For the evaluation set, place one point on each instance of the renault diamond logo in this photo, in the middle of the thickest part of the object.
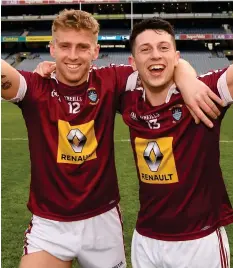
(77, 140)
(153, 156)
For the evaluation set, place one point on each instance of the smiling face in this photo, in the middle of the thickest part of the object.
(73, 50)
(155, 58)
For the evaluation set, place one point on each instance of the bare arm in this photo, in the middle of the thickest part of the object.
(184, 68)
(199, 98)
(10, 80)
(230, 79)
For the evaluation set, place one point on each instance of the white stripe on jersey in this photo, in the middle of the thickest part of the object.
(21, 91)
(224, 90)
(132, 82)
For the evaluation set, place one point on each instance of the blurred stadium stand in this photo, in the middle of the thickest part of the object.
(28, 65)
(202, 30)
(39, 33)
(11, 33)
(118, 31)
(114, 31)
(197, 19)
(202, 61)
(4, 55)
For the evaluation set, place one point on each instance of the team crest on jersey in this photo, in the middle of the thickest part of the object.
(176, 112)
(92, 95)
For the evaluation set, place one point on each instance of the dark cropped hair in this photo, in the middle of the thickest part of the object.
(150, 24)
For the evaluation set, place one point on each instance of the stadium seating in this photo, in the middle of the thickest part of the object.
(114, 31)
(202, 61)
(11, 33)
(4, 55)
(28, 65)
(118, 31)
(39, 33)
(8, 58)
(10, 61)
(177, 31)
(200, 31)
(46, 56)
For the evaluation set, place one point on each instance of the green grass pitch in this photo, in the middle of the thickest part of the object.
(16, 177)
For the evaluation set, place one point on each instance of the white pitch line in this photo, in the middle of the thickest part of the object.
(14, 139)
(122, 140)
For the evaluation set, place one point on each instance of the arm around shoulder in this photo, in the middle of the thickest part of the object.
(229, 77)
(10, 81)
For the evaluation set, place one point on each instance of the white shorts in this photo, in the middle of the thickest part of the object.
(211, 251)
(96, 242)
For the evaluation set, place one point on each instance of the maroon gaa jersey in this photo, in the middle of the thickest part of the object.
(70, 133)
(182, 193)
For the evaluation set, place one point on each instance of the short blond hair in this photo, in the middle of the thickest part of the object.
(75, 19)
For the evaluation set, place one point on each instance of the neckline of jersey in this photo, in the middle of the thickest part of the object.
(66, 88)
(172, 90)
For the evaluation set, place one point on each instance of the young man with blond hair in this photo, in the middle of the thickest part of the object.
(183, 200)
(74, 194)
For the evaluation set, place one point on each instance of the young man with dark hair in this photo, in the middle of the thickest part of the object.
(183, 200)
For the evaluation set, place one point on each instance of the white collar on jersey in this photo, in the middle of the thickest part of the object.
(172, 90)
(53, 76)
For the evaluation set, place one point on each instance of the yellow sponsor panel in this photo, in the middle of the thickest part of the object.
(38, 38)
(155, 160)
(76, 144)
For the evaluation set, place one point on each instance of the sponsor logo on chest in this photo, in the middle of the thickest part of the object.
(76, 144)
(72, 101)
(150, 119)
(54, 94)
(156, 161)
(73, 98)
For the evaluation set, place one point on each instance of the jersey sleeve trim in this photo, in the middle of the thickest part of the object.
(21, 91)
(132, 82)
(223, 89)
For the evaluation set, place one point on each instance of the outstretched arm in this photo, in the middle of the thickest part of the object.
(10, 81)
(199, 98)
